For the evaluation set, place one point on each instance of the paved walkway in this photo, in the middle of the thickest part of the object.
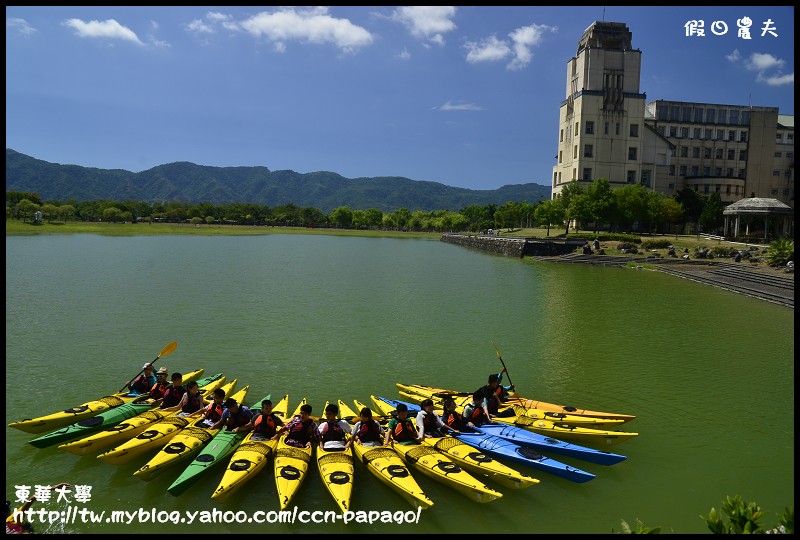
(766, 283)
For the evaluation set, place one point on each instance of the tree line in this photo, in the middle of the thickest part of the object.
(631, 208)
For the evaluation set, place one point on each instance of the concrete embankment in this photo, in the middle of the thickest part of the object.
(514, 247)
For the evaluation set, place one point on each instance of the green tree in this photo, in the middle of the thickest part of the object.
(25, 208)
(374, 218)
(550, 213)
(111, 213)
(210, 220)
(780, 252)
(692, 203)
(601, 202)
(580, 209)
(711, 217)
(196, 221)
(50, 211)
(342, 216)
(569, 191)
(672, 210)
(631, 206)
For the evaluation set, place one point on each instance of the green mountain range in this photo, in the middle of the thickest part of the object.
(188, 182)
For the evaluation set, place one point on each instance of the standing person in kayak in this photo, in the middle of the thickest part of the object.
(401, 429)
(367, 431)
(143, 382)
(301, 431)
(265, 424)
(428, 422)
(234, 416)
(333, 431)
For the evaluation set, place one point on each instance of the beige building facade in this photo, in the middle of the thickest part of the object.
(607, 130)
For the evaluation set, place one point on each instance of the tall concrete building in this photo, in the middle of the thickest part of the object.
(606, 130)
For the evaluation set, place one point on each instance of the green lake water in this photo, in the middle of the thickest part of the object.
(708, 373)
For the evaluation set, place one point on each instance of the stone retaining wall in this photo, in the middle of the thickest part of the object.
(514, 247)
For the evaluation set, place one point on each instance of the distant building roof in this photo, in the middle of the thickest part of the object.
(759, 207)
(786, 120)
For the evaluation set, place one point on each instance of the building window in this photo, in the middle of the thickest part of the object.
(672, 152)
(719, 153)
(561, 137)
(774, 191)
(632, 153)
(742, 155)
(709, 133)
(555, 178)
(646, 178)
(574, 173)
(670, 186)
(789, 155)
(727, 189)
(673, 131)
(589, 127)
(698, 116)
(616, 129)
(687, 114)
(777, 154)
(560, 154)
(587, 150)
(731, 135)
(788, 174)
(631, 177)
(672, 170)
(575, 152)
(682, 170)
(734, 118)
(697, 133)
(743, 136)
(634, 130)
(729, 172)
(685, 132)
(731, 154)
(705, 188)
(605, 128)
(718, 171)
(559, 178)
(717, 188)
(706, 171)
(711, 116)
(790, 138)
(745, 118)
(674, 113)
(696, 152)
(660, 131)
(694, 170)
(723, 116)
(707, 153)
(587, 174)
(720, 134)
(577, 128)
(776, 172)
(741, 173)
(684, 151)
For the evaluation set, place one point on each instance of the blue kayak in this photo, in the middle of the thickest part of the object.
(534, 440)
(502, 448)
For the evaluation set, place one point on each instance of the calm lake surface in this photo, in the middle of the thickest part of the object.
(708, 373)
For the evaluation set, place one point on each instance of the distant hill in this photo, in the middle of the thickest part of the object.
(188, 182)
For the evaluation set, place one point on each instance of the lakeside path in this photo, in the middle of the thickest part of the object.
(765, 283)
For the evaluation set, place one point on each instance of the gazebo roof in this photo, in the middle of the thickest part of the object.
(759, 207)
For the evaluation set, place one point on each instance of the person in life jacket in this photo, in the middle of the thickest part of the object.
(428, 422)
(401, 429)
(333, 432)
(475, 411)
(143, 382)
(234, 416)
(158, 389)
(301, 430)
(214, 410)
(453, 418)
(367, 431)
(265, 425)
(494, 394)
(191, 403)
(174, 393)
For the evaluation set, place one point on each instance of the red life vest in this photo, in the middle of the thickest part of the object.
(193, 403)
(404, 430)
(369, 432)
(333, 432)
(158, 390)
(454, 420)
(214, 412)
(474, 414)
(140, 384)
(266, 425)
(299, 433)
(172, 396)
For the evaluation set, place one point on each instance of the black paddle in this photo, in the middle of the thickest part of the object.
(504, 364)
(168, 349)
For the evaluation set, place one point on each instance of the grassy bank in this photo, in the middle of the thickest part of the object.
(19, 228)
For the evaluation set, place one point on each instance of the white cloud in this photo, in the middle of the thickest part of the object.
(460, 107)
(762, 62)
(109, 29)
(404, 54)
(776, 80)
(522, 41)
(20, 25)
(197, 26)
(734, 56)
(311, 25)
(426, 22)
(490, 49)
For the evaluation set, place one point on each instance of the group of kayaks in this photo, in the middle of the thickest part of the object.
(122, 427)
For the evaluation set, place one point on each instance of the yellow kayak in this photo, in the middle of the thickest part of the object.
(291, 466)
(442, 469)
(249, 459)
(57, 420)
(159, 432)
(126, 429)
(336, 470)
(468, 457)
(387, 466)
(184, 445)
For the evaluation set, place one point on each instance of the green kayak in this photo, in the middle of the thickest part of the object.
(218, 450)
(105, 420)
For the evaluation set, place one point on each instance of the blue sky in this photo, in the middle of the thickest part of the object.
(464, 96)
